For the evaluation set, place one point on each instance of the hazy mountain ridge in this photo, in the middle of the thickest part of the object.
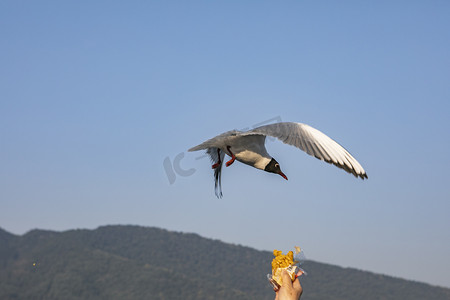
(131, 262)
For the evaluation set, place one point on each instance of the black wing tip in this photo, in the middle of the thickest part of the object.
(363, 176)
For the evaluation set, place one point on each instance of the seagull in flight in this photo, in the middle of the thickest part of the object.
(249, 148)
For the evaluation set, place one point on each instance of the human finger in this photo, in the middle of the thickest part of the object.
(296, 286)
(287, 281)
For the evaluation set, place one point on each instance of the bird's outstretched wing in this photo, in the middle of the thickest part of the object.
(313, 142)
(214, 156)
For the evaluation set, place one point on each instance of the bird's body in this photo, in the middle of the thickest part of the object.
(249, 148)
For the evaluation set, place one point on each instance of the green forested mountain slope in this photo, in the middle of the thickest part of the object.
(131, 262)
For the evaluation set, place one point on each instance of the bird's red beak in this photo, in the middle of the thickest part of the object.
(282, 175)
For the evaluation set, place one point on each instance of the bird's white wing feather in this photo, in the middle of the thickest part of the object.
(313, 142)
(215, 142)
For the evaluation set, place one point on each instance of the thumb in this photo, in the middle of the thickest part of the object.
(286, 280)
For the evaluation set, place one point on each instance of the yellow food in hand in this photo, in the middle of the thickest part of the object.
(282, 261)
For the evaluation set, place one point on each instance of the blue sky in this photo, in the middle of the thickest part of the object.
(96, 95)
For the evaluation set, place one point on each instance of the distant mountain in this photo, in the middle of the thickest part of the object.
(131, 262)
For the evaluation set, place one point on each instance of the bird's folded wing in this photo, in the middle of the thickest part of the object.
(313, 142)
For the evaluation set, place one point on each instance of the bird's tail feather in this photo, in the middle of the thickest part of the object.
(215, 154)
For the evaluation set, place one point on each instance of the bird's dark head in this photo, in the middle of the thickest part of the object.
(274, 167)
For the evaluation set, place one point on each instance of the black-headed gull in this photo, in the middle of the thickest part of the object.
(248, 147)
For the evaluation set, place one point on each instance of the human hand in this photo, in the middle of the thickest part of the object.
(289, 290)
